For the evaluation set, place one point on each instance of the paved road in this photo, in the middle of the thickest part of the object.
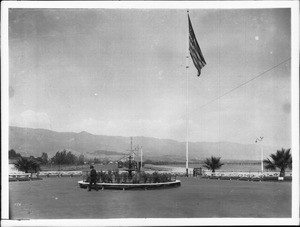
(61, 198)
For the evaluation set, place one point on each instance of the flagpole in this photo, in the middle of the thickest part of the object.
(187, 101)
(141, 157)
(193, 50)
(262, 157)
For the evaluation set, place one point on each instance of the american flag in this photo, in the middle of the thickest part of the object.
(195, 51)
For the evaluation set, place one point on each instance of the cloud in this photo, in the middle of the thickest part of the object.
(31, 119)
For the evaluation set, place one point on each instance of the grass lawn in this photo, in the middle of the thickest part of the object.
(61, 198)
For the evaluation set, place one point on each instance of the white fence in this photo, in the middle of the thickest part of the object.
(60, 173)
(245, 174)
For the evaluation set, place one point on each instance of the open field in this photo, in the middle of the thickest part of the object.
(61, 198)
(85, 167)
(245, 167)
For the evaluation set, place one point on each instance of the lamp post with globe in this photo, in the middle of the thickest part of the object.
(260, 139)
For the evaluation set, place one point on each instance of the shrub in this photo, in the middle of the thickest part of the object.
(144, 177)
(156, 178)
(165, 177)
(109, 177)
(102, 176)
(117, 176)
(124, 177)
(136, 178)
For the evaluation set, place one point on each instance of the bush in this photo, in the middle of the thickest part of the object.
(144, 177)
(136, 178)
(156, 178)
(109, 177)
(102, 176)
(118, 177)
(124, 177)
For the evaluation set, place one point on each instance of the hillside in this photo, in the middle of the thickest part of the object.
(28, 141)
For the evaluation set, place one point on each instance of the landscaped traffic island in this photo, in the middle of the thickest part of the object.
(131, 186)
(128, 180)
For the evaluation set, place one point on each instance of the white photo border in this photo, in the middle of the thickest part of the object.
(293, 5)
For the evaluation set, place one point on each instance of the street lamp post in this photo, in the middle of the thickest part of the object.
(260, 139)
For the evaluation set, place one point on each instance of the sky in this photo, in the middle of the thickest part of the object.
(122, 72)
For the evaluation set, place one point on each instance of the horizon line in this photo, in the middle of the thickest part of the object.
(271, 146)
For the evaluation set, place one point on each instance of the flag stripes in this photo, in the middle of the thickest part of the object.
(195, 51)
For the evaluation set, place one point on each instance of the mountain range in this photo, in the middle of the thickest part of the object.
(29, 141)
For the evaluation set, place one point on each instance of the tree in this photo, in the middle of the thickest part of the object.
(59, 158)
(70, 158)
(27, 164)
(64, 157)
(213, 163)
(13, 154)
(23, 164)
(81, 159)
(281, 160)
(44, 158)
(96, 160)
(35, 165)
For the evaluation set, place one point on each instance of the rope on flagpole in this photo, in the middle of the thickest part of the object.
(235, 88)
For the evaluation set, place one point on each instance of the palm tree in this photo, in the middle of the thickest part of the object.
(281, 160)
(23, 164)
(213, 163)
(27, 164)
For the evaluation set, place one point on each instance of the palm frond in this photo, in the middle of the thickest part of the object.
(268, 164)
(282, 159)
(213, 163)
(26, 164)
